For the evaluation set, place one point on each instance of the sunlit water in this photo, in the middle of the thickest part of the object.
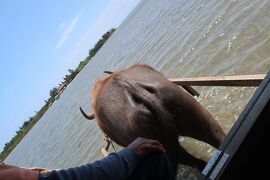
(179, 38)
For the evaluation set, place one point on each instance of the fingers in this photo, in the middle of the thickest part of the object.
(153, 144)
(144, 146)
(153, 147)
(157, 148)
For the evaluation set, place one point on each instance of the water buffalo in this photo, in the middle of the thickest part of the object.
(141, 102)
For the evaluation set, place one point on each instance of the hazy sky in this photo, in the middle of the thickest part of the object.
(40, 41)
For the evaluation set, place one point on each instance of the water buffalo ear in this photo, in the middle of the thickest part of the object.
(108, 72)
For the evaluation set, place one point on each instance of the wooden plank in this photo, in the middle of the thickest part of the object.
(241, 80)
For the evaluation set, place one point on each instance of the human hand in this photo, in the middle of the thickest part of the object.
(144, 147)
(8, 172)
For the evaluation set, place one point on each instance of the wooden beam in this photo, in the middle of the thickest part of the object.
(242, 80)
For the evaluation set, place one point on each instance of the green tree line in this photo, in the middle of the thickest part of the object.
(54, 95)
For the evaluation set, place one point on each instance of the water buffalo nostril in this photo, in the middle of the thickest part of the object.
(150, 90)
(136, 99)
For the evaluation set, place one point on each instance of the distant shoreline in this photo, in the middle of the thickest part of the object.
(54, 95)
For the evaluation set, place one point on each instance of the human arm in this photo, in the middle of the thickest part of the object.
(8, 172)
(116, 166)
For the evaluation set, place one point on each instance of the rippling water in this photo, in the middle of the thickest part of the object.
(179, 38)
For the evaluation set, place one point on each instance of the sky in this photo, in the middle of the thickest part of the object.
(39, 42)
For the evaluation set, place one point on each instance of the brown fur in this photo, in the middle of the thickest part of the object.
(141, 102)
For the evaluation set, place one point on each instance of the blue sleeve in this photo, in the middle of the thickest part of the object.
(115, 166)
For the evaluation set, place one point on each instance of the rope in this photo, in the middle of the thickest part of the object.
(108, 140)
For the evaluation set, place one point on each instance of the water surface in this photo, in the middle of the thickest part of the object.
(179, 38)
